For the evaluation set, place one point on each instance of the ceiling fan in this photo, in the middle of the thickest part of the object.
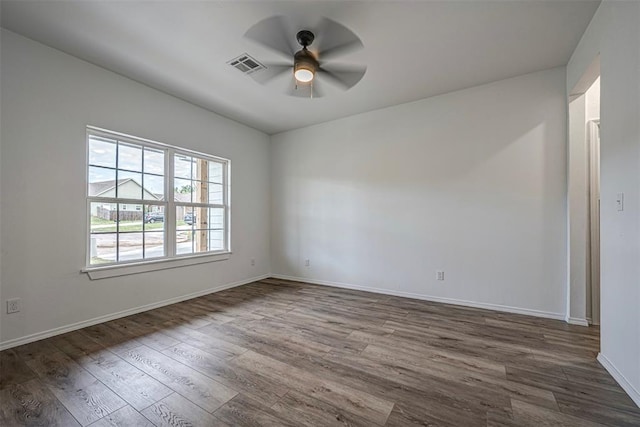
(308, 62)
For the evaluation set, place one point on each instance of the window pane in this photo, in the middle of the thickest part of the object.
(200, 169)
(102, 152)
(200, 241)
(103, 217)
(102, 182)
(216, 240)
(129, 218)
(215, 194)
(153, 244)
(129, 185)
(200, 192)
(201, 220)
(130, 246)
(102, 248)
(129, 157)
(154, 187)
(216, 218)
(182, 166)
(154, 217)
(153, 161)
(185, 217)
(184, 241)
(215, 172)
(182, 189)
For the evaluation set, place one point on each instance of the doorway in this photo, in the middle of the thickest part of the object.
(583, 296)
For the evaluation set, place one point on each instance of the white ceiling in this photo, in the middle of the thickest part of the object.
(412, 49)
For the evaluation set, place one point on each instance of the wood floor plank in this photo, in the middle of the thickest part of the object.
(303, 410)
(359, 403)
(461, 343)
(404, 415)
(176, 411)
(211, 343)
(243, 411)
(456, 394)
(256, 386)
(146, 335)
(415, 351)
(280, 352)
(123, 417)
(469, 377)
(31, 351)
(572, 405)
(586, 392)
(136, 387)
(80, 392)
(76, 345)
(262, 329)
(501, 419)
(32, 404)
(13, 369)
(113, 338)
(527, 415)
(592, 375)
(200, 389)
(260, 343)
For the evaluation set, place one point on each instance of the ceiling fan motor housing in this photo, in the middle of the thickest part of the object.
(305, 60)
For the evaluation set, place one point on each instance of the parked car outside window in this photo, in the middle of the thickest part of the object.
(190, 218)
(154, 216)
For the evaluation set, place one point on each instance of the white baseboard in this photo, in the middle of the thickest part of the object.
(100, 319)
(577, 321)
(621, 379)
(488, 306)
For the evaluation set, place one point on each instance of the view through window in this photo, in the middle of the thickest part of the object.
(147, 200)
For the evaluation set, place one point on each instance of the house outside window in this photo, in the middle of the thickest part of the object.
(151, 201)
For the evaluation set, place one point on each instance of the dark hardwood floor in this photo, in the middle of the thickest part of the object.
(285, 353)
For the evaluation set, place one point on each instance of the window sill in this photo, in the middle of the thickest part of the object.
(107, 271)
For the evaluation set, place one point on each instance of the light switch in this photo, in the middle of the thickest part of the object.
(620, 201)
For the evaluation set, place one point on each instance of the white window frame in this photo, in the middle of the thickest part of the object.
(170, 259)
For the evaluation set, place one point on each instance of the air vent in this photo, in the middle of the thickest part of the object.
(246, 64)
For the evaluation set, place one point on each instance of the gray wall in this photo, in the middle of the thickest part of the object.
(471, 182)
(48, 99)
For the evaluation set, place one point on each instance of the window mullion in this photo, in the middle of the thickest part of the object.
(225, 199)
(124, 201)
(170, 214)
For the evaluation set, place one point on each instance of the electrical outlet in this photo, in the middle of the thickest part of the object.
(439, 275)
(13, 305)
(253, 262)
(307, 263)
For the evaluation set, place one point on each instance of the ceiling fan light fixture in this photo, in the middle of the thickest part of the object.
(303, 75)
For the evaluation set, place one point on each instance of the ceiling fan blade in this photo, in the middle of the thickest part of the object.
(335, 39)
(317, 90)
(345, 77)
(271, 72)
(274, 34)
